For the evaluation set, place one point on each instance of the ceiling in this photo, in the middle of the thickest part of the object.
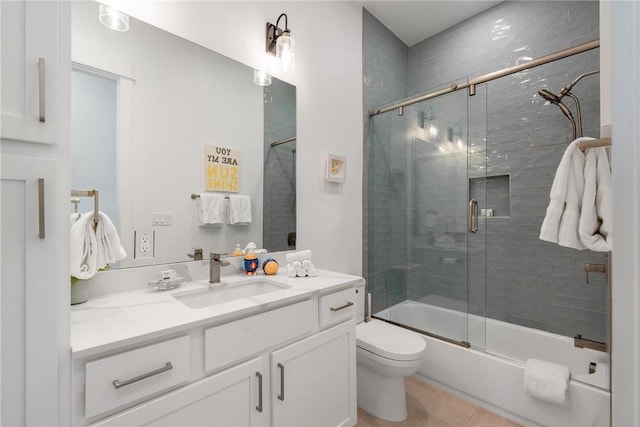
(414, 21)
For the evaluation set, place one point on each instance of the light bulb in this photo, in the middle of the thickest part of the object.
(285, 51)
(261, 78)
(113, 19)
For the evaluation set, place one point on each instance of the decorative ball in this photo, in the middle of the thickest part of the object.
(270, 266)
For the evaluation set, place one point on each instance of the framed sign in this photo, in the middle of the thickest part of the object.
(221, 169)
(336, 168)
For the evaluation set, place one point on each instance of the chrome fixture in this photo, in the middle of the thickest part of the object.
(429, 124)
(566, 91)
(113, 19)
(261, 78)
(280, 43)
(214, 267)
(454, 136)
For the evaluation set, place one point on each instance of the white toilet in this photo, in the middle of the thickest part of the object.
(385, 355)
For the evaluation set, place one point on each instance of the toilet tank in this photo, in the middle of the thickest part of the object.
(360, 303)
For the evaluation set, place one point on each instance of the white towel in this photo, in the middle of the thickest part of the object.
(239, 210)
(546, 381)
(560, 223)
(109, 248)
(74, 217)
(597, 206)
(211, 209)
(84, 247)
(299, 256)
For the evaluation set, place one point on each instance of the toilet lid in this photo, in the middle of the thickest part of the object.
(390, 341)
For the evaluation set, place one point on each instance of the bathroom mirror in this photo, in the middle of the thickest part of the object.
(145, 103)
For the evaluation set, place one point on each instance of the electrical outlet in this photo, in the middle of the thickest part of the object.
(144, 244)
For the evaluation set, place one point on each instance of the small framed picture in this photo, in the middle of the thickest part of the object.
(336, 168)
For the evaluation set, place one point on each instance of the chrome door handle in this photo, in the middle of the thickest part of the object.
(472, 215)
(41, 208)
(41, 90)
(342, 307)
(281, 395)
(259, 407)
(118, 384)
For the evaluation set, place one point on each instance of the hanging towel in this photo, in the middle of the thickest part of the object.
(211, 209)
(597, 205)
(546, 381)
(74, 217)
(109, 248)
(561, 221)
(239, 210)
(84, 247)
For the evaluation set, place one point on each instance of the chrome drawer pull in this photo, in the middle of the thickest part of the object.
(259, 407)
(281, 395)
(342, 307)
(41, 90)
(167, 367)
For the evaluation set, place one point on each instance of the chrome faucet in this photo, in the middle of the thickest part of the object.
(214, 267)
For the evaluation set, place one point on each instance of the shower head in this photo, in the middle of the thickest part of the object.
(557, 100)
(549, 96)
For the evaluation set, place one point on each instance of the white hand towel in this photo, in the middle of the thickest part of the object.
(110, 249)
(84, 247)
(291, 272)
(597, 206)
(239, 210)
(211, 209)
(566, 188)
(306, 264)
(546, 381)
(298, 256)
(297, 266)
(74, 217)
(310, 270)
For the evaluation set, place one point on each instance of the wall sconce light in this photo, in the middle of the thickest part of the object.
(261, 78)
(113, 19)
(429, 124)
(454, 136)
(280, 43)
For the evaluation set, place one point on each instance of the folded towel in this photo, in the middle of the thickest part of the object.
(565, 199)
(597, 206)
(291, 272)
(211, 209)
(239, 210)
(109, 248)
(84, 247)
(306, 264)
(298, 256)
(546, 381)
(297, 266)
(309, 269)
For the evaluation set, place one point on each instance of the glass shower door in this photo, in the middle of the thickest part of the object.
(427, 179)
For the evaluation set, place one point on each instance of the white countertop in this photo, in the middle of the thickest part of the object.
(110, 321)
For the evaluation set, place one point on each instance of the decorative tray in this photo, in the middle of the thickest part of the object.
(165, 285)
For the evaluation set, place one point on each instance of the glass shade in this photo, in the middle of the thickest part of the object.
(285, 51)
(113, 19)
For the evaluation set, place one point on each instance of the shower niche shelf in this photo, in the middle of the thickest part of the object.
(493, 194)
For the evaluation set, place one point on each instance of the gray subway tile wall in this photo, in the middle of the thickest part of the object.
(279, 215)
(509, 274)
(384, 225)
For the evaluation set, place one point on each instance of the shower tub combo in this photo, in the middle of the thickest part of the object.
(478, 374)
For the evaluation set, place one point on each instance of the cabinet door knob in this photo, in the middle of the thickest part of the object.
(118, 384)
(259, 407)
(281, 395)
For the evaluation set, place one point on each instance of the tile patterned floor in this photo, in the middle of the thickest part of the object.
(431, 407)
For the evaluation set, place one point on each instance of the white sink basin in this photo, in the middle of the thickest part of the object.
(226, 292)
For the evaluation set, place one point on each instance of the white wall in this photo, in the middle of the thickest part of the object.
(328, 77)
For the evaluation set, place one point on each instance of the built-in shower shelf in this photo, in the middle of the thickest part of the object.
(493, 194)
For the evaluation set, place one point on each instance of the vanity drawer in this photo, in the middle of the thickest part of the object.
(235, 341)
(126, 377)
(337, 307)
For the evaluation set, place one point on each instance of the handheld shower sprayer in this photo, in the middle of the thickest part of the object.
(557, 100)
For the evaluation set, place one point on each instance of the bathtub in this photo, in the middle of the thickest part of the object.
(490, 373)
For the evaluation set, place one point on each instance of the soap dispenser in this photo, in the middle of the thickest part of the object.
(238, 251)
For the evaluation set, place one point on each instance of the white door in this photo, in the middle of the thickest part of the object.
(313, 380)
(28, 293)
(29, 70)
(230, 398)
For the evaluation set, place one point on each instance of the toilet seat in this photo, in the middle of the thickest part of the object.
(389, 341)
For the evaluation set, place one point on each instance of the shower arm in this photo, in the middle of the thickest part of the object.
(567, 89)
(579, 117)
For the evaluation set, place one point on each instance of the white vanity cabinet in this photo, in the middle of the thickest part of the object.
(30, 70)
(288, 366)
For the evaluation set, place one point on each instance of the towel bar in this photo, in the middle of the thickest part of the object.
(89, 193)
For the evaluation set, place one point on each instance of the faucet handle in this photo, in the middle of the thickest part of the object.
(214, 256)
